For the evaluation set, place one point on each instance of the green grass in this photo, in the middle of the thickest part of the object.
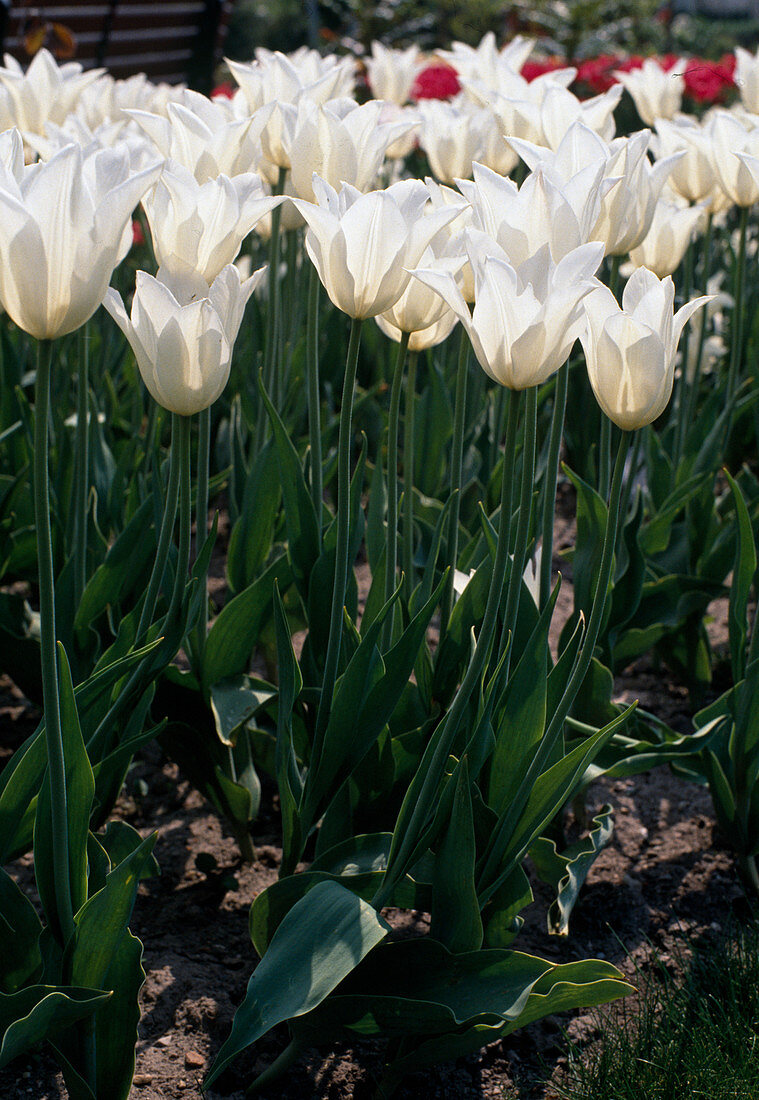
(691, 1037)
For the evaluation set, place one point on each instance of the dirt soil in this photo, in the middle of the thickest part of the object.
(665, 880)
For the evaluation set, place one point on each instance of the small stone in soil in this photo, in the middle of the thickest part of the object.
(142, 1079)
(194, 1060)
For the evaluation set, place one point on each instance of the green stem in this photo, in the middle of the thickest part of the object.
(457, 475)
(604, 456)
(53, 736)
(550, 481)
(164, 537)
(421, 796)
(271, 335)
(682, 388)
(737, 326)
(343, 533)
(201, 522)
(82, 466)
(408, 475)
(695, 382)
(314, 408)
(523, 524)
(391, 546)
(502, 835)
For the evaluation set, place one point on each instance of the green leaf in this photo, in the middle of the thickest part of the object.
(39, 1011)
(303, 537)
(253, 533)
(567, 871)
(234, 702)
(743, 576)
(237, 628)
(322, 938)
(289, 780)
(80, 789)
(455, 919)
(21, 960)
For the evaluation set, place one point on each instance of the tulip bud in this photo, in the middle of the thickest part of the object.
(184, 348)
(630, 352)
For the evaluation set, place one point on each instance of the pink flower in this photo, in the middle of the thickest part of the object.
(437, 81)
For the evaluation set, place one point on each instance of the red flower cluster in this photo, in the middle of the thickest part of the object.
(533, 69)
(709, 81)
(437, 81)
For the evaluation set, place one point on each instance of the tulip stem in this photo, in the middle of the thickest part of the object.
(523, 525)
(408, 475)
(502, 835)
(421, 796)
(201, 523)
(270, 340)
(736, 335)
(82, 466)
(314, 408)
(682, 389)
(457, 475)
(695, 382)
(164, 537)
(56, 764)
(550, 480)
(341, 550)
(604, 456)
(391, 551)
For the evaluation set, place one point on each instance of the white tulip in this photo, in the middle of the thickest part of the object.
(747, 78)
(392, 73)
(656, 92)
(200, 227)
(45, 92)
(362, 245)
(423, 338)
(184, 349)
(453, 136)
(630, 351)
(730, 136)
(665, 244)
(525, 319)
(693, 175)
(62, 227)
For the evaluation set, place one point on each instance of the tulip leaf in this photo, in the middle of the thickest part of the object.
(289, 781)
(303, 528)
(39, 1011)
(455, 919)
(80, 790)
(234, 702)
(322, 938)
(237, 628)
(253, 532)
(743, 576)
(21, 960)
(566, 871)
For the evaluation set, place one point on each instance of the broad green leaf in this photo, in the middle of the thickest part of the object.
(455, 918)
(743, 576)
(21, 960)
(567, 871)
(36, 1012)
(80, 789)
(253, 533)
(323, 937)
(289, 780)
(234, 702)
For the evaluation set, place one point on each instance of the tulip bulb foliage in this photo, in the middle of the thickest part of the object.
(62, 228)
(630, 350)
(183, 342)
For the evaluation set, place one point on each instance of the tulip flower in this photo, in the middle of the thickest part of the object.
(424, 338)
(672, 229)
(526, 318)
(452, 136)
(630, 351)
(392, 73)
(693, 176)
(63, 225)
(656, 92)
(199, 228)
(362, 245)
(341, 142)
(485, 61)
(747, 78)
(730, 136)
(46, 92)
(183, 347)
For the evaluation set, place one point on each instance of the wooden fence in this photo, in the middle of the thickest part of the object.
(170, 40)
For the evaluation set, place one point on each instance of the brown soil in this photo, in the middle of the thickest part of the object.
(665, 880)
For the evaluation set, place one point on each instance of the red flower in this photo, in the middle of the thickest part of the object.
(437, 81)
(138, 237)
(533, 69)
(598, 72)
(223, 91)
(709, 81)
